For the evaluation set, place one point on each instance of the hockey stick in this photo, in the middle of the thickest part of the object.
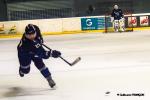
(71, 64)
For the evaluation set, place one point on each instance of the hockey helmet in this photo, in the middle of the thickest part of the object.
(30, 29)
(116, 7)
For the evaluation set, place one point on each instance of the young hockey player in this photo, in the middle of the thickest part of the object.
(118, 19)
(30, 49)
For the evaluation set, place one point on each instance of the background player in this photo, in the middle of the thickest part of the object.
(30, 49)
(118, 19)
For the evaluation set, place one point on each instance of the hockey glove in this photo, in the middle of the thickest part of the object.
(47, 54)
(112, 19)
(42, 53)
(55, 53)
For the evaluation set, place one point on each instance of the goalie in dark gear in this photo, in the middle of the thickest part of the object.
(118, 19)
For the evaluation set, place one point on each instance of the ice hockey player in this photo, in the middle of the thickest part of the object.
(118, 19)
(30, 49)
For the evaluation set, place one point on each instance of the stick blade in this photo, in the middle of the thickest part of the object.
(76, 61)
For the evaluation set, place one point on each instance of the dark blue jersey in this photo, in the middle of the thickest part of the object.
(117, 14)
(31, 46)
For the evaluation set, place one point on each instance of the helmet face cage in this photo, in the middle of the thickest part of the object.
(30, 32)
(30, 36)
(116, 7)
(30, 29)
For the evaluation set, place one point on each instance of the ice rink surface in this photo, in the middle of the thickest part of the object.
(112, 63)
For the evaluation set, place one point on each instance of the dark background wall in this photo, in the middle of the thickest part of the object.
(101, 6)
(141, 6)
(74, 8)
(3, 10)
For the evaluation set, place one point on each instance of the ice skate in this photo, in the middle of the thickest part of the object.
(51, 82)
(21, 74)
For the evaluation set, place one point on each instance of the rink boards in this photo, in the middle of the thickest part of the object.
(73, 25)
